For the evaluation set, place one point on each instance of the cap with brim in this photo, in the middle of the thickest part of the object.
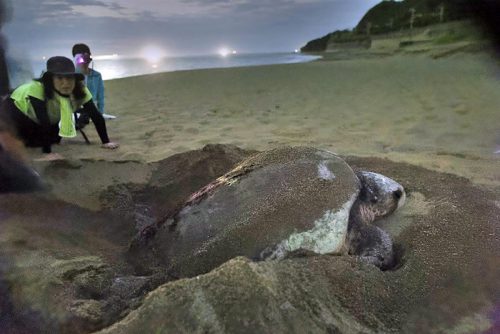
(62, 66)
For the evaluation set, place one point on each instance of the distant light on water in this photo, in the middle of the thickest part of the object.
(224, 52)
(105, 57)
(152, 53)
(121, 66)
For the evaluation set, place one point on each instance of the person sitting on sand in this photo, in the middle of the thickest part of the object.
(41, 111)
(93, 79)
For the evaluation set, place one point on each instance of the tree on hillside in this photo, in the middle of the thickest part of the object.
(390, 15)
(398, 13)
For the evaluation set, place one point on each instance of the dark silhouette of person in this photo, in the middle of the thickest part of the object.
(15, 174)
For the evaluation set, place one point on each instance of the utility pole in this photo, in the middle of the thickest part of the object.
(368, 28)
(441, 13)
(412, 20)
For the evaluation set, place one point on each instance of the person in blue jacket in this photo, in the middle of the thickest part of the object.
(93, 79)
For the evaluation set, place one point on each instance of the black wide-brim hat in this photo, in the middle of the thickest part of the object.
(60, 65)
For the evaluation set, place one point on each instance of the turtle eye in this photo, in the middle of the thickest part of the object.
(397, 194)
(374, 199)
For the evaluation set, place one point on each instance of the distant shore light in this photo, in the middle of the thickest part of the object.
(224, 52)
(104, 57)
(152, 53)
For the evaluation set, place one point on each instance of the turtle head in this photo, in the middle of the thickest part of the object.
(379, 195)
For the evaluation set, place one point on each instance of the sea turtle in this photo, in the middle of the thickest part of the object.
(274, 203)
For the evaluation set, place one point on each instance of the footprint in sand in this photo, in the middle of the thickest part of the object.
(133, 156)
(461, 110)
(149, 134)
(459, 107)
(426, 106)
(292, 132)
(431, 118)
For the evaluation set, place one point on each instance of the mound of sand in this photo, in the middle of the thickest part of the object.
(63, 268)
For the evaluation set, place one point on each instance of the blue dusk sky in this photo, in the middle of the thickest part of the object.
(42, 28)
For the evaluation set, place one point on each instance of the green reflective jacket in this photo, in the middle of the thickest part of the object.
(60, 109)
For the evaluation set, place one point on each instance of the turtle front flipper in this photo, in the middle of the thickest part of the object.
(372, 244)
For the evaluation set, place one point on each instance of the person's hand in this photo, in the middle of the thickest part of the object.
(50, 157)
(111, 145)
(82, 121)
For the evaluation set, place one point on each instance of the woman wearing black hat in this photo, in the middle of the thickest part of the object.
(42, 110)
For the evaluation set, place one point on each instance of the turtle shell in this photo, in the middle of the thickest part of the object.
(273, 203)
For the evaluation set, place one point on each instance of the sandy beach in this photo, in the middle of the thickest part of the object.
(441, 114)
(210, 217)
(431, 124)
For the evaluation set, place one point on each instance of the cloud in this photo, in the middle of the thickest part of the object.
(44, 27)
(160, 10)
(54, 11)
(108, 11)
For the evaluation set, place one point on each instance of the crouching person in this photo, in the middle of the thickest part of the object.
(42, 111)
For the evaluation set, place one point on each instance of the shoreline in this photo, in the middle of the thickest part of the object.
(129, 67)
(435, 113)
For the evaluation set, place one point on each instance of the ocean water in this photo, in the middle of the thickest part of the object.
(120, 67)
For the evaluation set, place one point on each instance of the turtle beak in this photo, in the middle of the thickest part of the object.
(15, 176)
(400, 196)
(391, 194)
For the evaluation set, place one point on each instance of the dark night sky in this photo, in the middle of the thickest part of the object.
(176, 27)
